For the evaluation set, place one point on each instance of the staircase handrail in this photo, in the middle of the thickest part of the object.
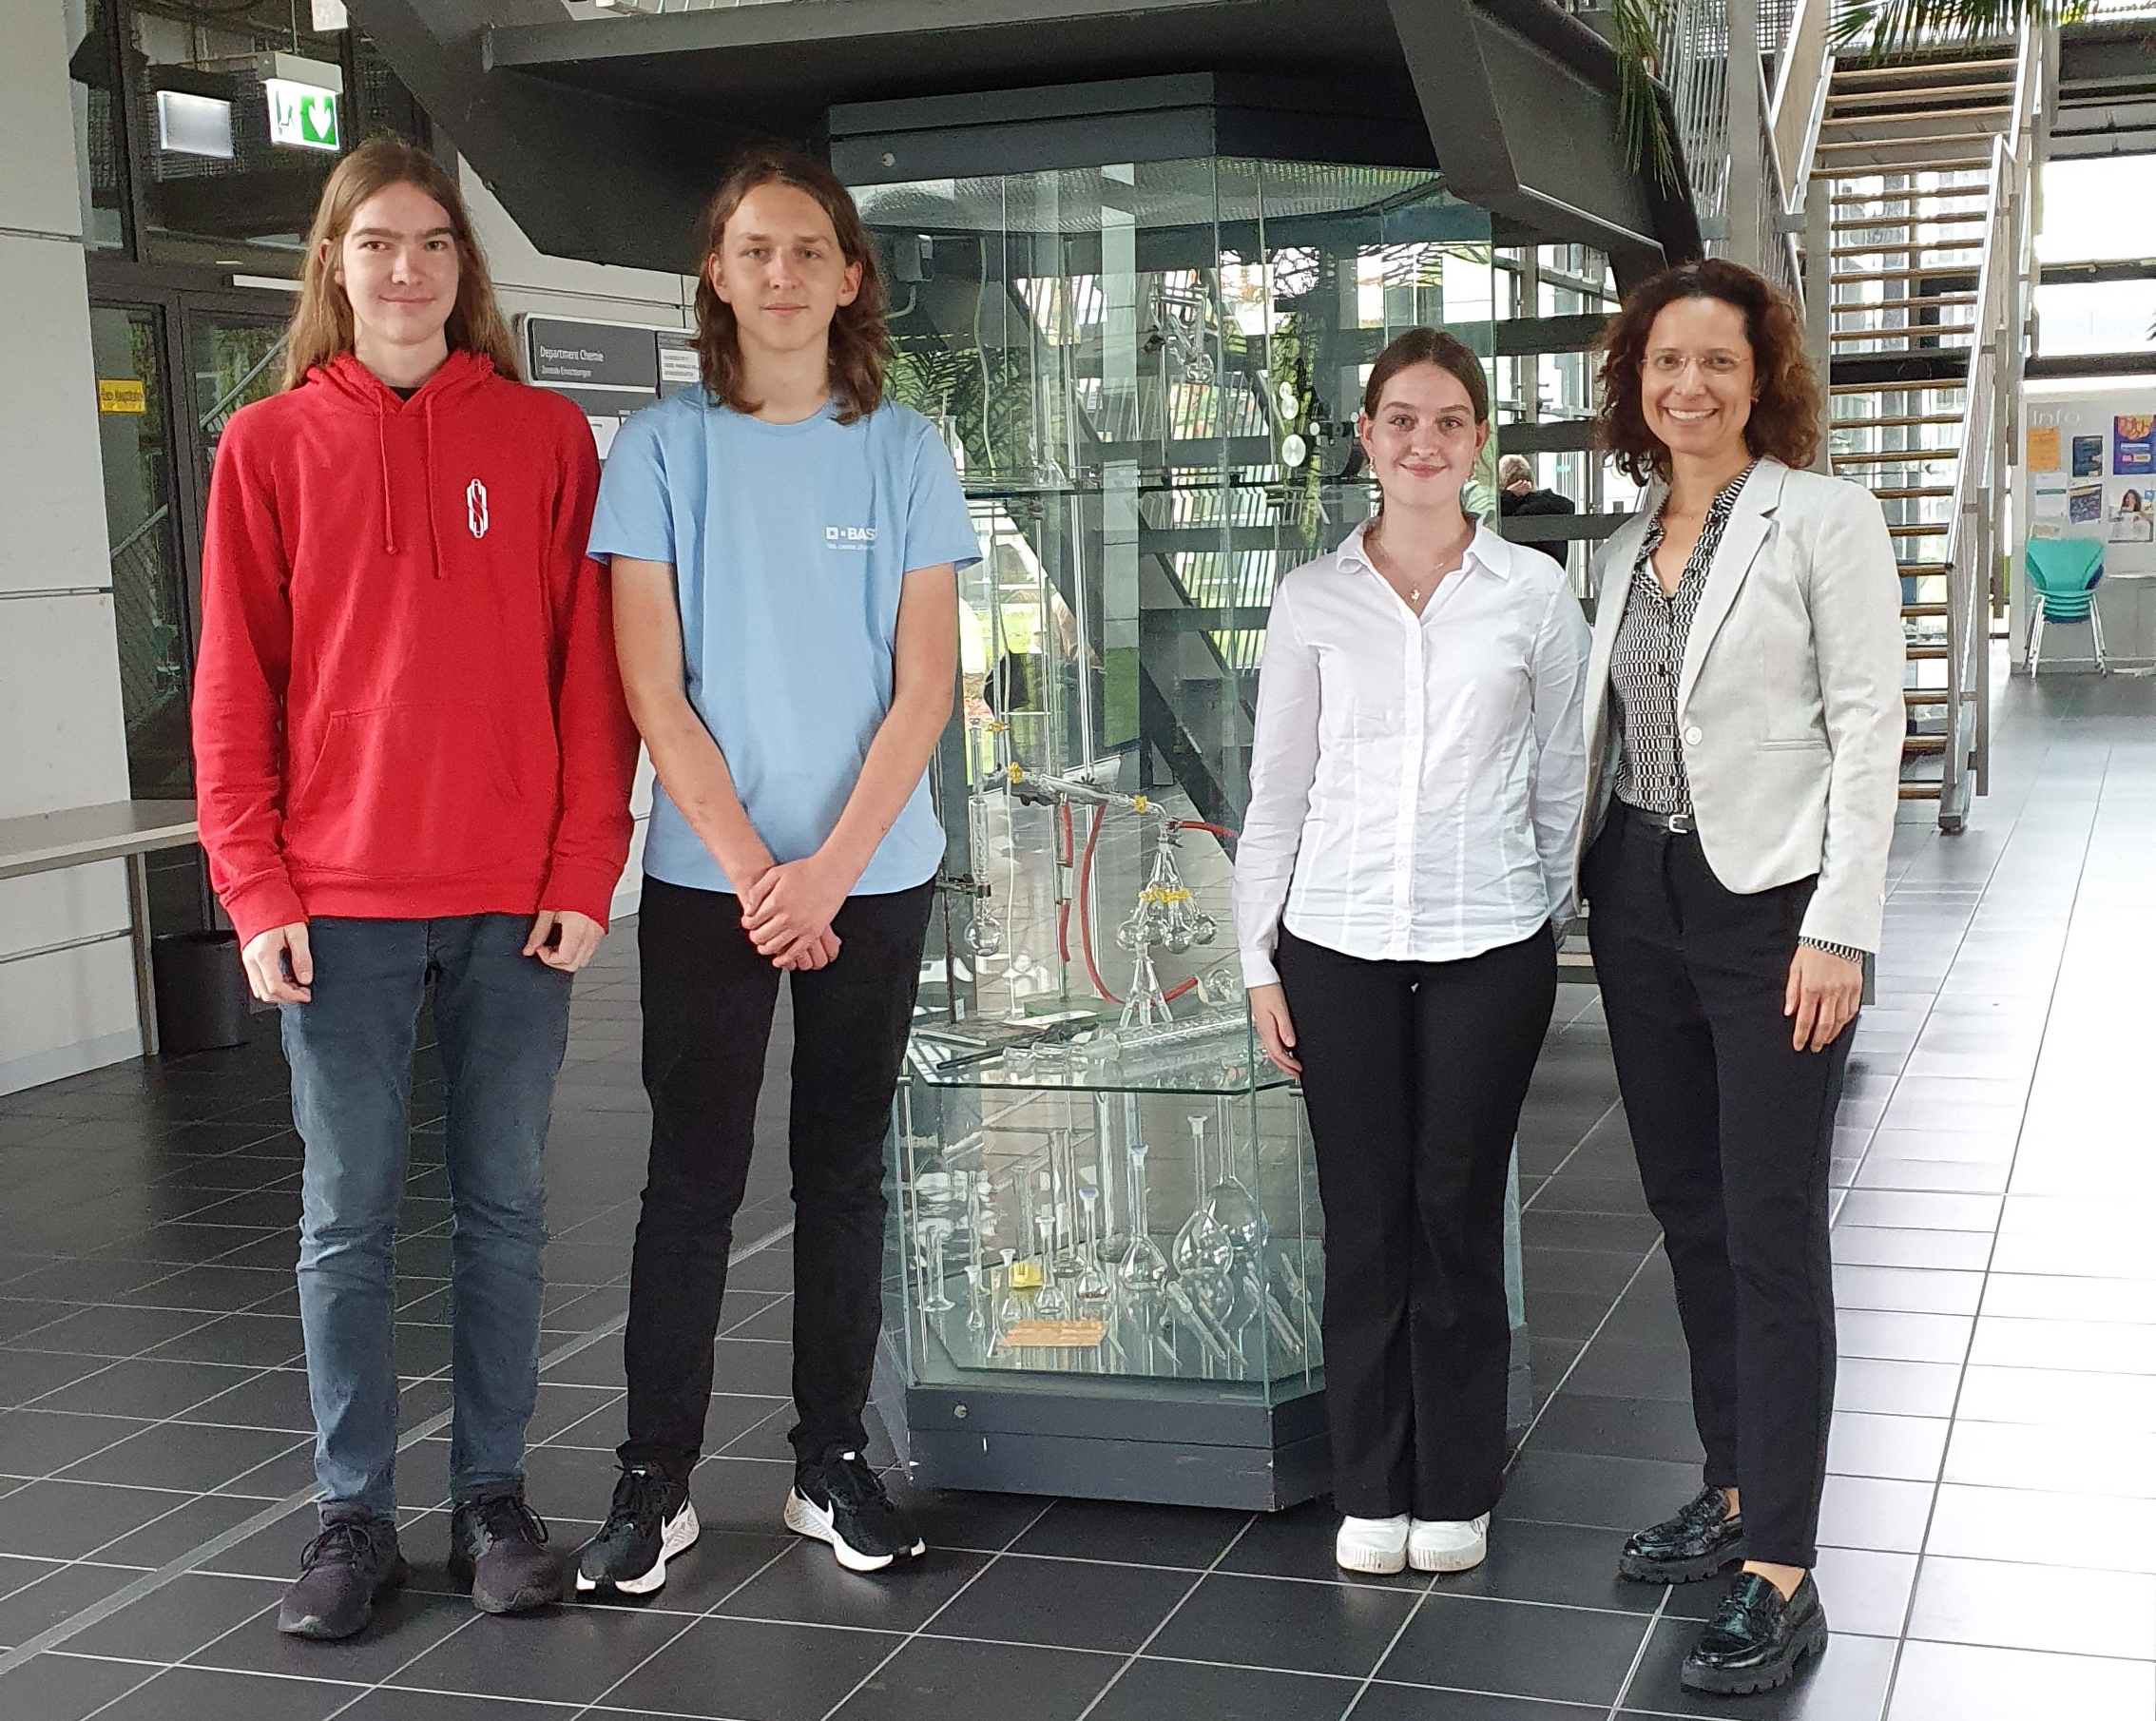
(1991, 418)
(1804, 70)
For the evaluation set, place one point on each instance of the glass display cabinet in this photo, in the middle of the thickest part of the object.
(1104, 1268)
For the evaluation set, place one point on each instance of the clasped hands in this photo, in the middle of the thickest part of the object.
(787, 909)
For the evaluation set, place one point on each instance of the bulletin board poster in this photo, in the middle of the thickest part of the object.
(2131, 516)
(2043, 448)
(2088, 456)
(2085, 505)
(2134, 445)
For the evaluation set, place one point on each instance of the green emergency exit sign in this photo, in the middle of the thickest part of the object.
(302, 115)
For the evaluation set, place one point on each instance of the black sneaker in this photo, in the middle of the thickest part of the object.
(841, 1501)
(651, 1520)
(1755, 1640)
(1703, 1537)
(342, 1572)
(497, 1545)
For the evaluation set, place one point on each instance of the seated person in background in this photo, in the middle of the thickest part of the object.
(1518, 494)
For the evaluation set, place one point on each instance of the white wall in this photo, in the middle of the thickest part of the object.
(67, 979)
(2127, 598)
(531, 283)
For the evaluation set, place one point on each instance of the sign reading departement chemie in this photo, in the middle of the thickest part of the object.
(609, 369)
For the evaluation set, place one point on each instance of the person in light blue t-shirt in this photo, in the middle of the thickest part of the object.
(784, 549)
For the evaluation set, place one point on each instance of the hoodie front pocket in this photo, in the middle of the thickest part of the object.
(413, 791)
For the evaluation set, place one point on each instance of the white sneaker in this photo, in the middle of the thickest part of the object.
(1445, 1544)
(1372, 1544)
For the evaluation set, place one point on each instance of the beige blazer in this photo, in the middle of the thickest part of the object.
(1789, 701)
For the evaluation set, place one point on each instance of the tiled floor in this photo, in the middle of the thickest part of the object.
(1991, 1516)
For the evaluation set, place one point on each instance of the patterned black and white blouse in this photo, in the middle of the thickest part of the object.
(1648, 654)
(1644, 668)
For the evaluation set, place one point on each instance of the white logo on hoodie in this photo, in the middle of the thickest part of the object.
(475, 508)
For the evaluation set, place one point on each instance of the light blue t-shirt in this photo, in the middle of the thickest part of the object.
(789, 543)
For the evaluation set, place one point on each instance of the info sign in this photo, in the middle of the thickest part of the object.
(609, 369)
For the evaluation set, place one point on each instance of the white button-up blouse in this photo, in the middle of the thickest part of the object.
(1416, 782)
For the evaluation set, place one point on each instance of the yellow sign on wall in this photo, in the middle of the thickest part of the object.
(122, 395)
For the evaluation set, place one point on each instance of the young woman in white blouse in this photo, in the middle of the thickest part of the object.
(1414, 801)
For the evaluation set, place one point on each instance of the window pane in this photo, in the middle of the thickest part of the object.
(2098, 209)
(2096, 316)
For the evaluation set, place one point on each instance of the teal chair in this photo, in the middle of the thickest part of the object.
(2062, 574)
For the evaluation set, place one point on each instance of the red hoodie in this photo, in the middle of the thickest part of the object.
(407, 705)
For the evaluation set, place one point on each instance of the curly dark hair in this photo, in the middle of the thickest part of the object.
(860, 348)
(1787, 411)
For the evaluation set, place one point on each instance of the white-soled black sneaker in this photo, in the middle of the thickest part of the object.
(841, 1501)
(651, 1520)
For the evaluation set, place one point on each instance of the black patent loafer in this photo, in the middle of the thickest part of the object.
(1703, 1538)
(1755, 1640)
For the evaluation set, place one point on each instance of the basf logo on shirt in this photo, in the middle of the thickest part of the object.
(848, 537)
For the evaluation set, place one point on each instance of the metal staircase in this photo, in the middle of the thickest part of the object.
(1924, 164)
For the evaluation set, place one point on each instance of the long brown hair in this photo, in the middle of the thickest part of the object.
(860, 346)
(1786, 415)
(321, 321)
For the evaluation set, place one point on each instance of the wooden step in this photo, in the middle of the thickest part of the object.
(1899, 423)
(1918, 69)
(1926, 696)
(1906, 332)
(1912, 492)
(1910, 194)
(1911, 273)
(1975, 218)
(1917, 612)
(1923, 94)
(1918, 531)
(1902, 304)
(1896, 457)
(1917, 746)
(1926, 654)
(1893, 116)
(1920, 791)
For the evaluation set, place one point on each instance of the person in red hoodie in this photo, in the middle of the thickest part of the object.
(412, 764)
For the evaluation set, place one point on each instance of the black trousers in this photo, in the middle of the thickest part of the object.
(1413, 1074)
(1733, 1131)
(708, 998)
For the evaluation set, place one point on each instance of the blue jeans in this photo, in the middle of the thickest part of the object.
(502, 1023)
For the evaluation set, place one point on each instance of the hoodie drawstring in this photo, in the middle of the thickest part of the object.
(389, 510)
(433, 530)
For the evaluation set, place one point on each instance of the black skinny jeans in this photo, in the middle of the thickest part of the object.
(708, 998)
(1413, 1074)
(1733, 1129)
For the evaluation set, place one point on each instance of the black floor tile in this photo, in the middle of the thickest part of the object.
(180, 1531)
(407, 1623)
(1190, 1536)
(35, 1442)
(60, 1593)
(753, 1669)
(808, 1585)
(1584, 1488)
(29, 1375)
(171, 1623)
(275, 1399)
(388, 1703)
(147, 1387)
(189, 1456)
(1617, 1427)
(64, 1521)
(111, 1331)
(937, 1679)
(562, 1655)
(1517, 1648)
(1383, 1702)
(1563, 1564)
(1313, 1628)
(952, 1518)
(187, 1694)
(1066, 1603)
(1151, 1690)
(65, 1688)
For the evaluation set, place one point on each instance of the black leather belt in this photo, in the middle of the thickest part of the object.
(1665, 824)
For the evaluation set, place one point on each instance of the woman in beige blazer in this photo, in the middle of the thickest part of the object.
(1744, 719)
